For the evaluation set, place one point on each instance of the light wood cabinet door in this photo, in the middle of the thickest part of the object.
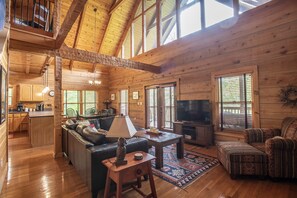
(25, 92)
(10, 124)
(37, 94)
(17, 120)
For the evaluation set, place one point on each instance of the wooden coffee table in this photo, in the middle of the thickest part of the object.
(162, 140)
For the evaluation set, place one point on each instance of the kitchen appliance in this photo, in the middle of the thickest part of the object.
(20, 107)
(40, 107)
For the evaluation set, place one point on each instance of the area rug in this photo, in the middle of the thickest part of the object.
(183, 172)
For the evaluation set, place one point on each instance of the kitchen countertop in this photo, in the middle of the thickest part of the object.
(14, 112)
(33, 114)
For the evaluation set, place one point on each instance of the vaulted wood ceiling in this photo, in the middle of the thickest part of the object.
(111, 20)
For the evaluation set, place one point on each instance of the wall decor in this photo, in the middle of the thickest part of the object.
(112, 97)
(3, 105)
(288, 95)
(135, 95)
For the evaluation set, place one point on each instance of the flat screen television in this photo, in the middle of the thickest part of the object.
(194, 111)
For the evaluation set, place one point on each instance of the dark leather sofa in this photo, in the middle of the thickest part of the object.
(86, 157)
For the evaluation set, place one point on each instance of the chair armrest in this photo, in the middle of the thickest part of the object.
(279, 143)
(260, 135)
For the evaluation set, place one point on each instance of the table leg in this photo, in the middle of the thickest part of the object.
(180, 148)
(107, 185)
(119, 186)
(159, 156)
(151, 178)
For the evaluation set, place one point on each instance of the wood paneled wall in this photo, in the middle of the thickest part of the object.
(3, 126)
(72, 80)
(265, 36)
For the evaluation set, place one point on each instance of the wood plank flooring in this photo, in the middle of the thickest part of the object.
(32, 172)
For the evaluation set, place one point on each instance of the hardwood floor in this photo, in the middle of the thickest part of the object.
(33, 172)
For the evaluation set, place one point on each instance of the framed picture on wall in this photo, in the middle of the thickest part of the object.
(112, 97)
(3, 82)
(135, 95)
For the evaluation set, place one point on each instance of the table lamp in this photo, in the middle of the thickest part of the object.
(121, 128)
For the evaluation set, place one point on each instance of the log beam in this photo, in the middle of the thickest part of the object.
(58, 108)
(46, 63)
(91, 57)
(74, 11)
(78, 31)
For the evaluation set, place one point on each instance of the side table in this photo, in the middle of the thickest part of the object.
(134, 169)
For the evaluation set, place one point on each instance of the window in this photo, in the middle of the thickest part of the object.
(168, 21)
(217, 11)
(190, 17)
(152, 107)
(124, 102)
(235, 103)
(83, 102)
(160, 106)
(89, 102)
(71, 101)
(10, 93)
(171, 19)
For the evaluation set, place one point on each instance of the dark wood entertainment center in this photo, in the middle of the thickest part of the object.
(196, 133)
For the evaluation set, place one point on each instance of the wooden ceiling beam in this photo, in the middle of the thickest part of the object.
(45, 64)
(22, 46)
(74, 11)
(116, 6)
(91, 57)
(129, 23)
(77, 34)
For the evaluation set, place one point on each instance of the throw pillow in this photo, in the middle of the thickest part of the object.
(93, 136)
(71, 124)
(80, 128)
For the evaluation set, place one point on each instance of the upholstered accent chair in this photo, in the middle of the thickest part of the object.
(280, 145)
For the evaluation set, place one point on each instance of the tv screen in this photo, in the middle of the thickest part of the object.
(194, 111)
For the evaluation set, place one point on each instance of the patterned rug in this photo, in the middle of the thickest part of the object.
(182, 172)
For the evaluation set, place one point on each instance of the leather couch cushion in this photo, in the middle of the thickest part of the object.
(93, 136)
(106, 122)
(71, 124)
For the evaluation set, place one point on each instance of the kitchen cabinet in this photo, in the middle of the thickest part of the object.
(10, 123)
(37, 94)
(18, 122)
(30, 93)
(25, 92)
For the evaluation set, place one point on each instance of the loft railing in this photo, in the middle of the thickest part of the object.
(37, 14)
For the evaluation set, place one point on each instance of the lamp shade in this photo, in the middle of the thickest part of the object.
(121, 127)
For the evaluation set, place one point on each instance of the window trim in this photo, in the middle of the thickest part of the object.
(253, 70)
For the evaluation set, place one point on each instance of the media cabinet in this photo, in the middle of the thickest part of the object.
(196, 133)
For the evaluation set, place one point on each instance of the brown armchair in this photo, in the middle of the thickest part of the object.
(280, 145)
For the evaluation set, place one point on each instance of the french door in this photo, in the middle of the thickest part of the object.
(160, 106)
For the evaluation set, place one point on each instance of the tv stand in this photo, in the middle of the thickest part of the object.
(194, 132)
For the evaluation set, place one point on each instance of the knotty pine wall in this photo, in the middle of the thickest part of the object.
(265, 36)
(3, 126)
(72, 80)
